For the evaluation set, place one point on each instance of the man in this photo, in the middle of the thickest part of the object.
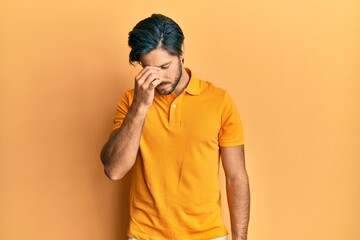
(172, 128)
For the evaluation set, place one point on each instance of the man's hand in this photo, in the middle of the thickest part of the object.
(119, 153)
(145, 82)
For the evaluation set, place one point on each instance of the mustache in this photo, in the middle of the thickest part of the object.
(164, 82)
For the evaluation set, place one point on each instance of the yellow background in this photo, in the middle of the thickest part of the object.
(292, 67)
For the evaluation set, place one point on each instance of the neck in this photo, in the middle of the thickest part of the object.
(184, 81)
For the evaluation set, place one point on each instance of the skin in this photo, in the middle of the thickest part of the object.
(160, 72)
(165, 73)
(237, 189)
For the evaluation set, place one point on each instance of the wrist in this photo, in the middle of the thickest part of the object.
(238, 237)
(138, 110)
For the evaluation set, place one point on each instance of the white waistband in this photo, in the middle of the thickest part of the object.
(220, 238)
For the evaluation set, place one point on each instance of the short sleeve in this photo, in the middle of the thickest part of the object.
(231, 132)
(122, 109)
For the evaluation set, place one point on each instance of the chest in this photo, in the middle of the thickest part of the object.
(183, 120)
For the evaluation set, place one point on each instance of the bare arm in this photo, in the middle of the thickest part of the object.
(237, 188)
(119, 153)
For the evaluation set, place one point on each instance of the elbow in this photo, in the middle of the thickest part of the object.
(108, 170)
(237, 180)
(112, 168)
(113, 174)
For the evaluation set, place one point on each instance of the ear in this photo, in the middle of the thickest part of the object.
(183, 50)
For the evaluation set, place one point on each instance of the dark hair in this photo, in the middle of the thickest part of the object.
(157, 31)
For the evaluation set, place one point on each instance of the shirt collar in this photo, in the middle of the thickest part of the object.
(193, 87)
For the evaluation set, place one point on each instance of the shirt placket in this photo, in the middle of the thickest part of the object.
(175, 112)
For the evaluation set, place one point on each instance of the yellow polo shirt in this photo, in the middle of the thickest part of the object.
(175, 192)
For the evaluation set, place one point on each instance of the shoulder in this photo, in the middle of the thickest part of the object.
(127, 98)
(209, 89)
(217, 98)
(128, 94)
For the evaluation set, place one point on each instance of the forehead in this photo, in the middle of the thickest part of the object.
(157, 57)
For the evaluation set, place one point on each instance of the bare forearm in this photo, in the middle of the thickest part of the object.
(238, 195)
(119, 153)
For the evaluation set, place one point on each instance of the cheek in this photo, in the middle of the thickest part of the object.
(169, 74)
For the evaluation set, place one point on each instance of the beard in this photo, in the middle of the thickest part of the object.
(176, 82)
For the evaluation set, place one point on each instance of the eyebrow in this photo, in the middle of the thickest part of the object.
(166, 64)
(162, 65)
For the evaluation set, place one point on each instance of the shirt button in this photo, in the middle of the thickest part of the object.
(174, 105)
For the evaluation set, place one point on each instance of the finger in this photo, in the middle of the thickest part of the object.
(149, 74)
(150, 78)
(154, 83)
(146, 71)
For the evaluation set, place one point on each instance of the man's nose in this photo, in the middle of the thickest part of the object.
(161, 74)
